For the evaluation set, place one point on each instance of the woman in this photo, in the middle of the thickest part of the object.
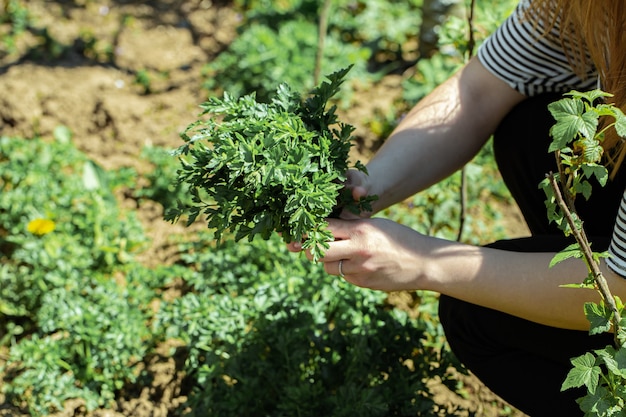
(504, 313)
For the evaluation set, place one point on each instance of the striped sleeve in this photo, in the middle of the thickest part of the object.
(530, 63)
(617, 249)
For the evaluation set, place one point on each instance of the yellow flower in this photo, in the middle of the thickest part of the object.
(40, 227)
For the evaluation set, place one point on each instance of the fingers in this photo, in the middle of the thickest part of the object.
(340, 234)
(355, 178)
(341, 248)
(338, 268)
(341, 228)
(359, 192)
(331, 266)
(294, 246)
(358, 184)
(336, 259)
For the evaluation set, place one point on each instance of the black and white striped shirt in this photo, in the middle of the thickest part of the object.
(533, 64)
(617, 248)
(529, 62)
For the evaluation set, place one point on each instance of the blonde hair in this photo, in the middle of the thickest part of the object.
(596, 30)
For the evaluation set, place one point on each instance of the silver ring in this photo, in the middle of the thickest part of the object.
(341, 268)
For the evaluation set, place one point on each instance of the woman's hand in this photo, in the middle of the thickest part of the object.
(359, 183)
(375, 253)
(383, 255)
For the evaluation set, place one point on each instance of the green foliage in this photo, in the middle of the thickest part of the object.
(162, 186)
(16, 17)
(374, 37)
(355, 22)
(81, 342)
(269, 167)
(266, 335)
(261, 72)
(273, 14)
(144, 80)
(453, 47)
(578, 146)
(38, 183)
(388, 39)
(62, 240)
(606, 393)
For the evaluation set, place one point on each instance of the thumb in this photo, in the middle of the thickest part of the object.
(357, 182)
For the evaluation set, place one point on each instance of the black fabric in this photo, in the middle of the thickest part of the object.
(522, 361)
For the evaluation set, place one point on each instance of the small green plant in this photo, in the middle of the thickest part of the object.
(15, 14)
(374, 36)
(577, 144)
(269, 167)
(144, 80)
(454, 45)
(39, 187)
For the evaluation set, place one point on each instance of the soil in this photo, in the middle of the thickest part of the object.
(112, 118)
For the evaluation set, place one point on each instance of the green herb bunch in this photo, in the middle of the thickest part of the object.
(254, 168)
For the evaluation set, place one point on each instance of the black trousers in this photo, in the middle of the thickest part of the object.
(522, 361)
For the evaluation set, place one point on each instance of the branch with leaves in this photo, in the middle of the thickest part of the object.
(582, 247)
(577, 143)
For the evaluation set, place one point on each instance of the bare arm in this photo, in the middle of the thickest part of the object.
(440, 134)
(381, 254)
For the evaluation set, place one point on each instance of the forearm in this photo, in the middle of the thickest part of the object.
(383, 255)
(520, 284)
(440, 134)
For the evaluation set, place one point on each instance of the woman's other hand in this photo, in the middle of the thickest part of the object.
(374, 253)
(359, 184)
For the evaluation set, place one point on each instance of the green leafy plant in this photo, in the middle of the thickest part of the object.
(15, 14)
(63, 238)
(375, 36)
(38, 184)
(577, 143)
(269, 167)
(244, 72)
(264, 334)
(81, 349)
(161, 186)
(454, 46)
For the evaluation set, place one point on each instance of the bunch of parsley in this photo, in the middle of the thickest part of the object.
(254, 168)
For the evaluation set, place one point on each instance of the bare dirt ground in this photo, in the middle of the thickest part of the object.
(112, 118)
